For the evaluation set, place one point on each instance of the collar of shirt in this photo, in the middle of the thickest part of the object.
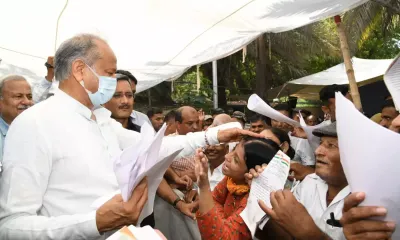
(3, 127)
(73, 104)
(322, 188)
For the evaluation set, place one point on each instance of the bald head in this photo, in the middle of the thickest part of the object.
(187, 120)
(221, 119)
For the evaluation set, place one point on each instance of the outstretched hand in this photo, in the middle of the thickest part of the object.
(201, 169)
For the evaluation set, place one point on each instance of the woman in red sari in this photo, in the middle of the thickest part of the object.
(219, 211)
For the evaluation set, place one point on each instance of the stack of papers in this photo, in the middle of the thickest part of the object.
(142, 160)
(369, 154)
(273, 178)
(134, 233)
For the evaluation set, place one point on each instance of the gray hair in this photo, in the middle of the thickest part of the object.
(82, 47)
(7, 79)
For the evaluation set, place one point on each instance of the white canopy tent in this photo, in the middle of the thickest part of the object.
(157, 40)
(366, 71)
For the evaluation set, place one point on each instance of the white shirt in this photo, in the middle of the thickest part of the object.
(58, 161)
(311, 192)
(304, 151)
(215, 177)
(139, 118)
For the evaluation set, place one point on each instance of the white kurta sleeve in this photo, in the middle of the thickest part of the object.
(27, 166)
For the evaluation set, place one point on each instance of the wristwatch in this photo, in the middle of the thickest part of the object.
(178, 199)
(48, 65)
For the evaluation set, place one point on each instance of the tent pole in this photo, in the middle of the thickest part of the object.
(215, 83)
(347, 62)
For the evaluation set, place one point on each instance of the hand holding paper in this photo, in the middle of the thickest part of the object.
(369, 154)
(273, 178)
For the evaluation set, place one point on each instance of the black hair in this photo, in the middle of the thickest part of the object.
(284, 107)
(328, 92)
(169, 116)
(154, 111)
(283, 137)
(258, 151)
(128, 74)
(388, 103)
(122, 77)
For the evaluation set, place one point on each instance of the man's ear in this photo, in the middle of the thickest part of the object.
(77, 69)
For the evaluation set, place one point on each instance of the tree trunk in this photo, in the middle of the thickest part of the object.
(261, 71)
(392, 5)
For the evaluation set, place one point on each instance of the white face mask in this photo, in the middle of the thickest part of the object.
(107, 86)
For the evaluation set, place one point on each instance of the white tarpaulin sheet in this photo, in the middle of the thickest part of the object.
(155, 39)
(365, 70)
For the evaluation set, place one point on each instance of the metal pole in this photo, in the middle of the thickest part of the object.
(215, 83)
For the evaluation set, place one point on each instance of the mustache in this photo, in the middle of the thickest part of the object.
(23, 107)
(124, 106)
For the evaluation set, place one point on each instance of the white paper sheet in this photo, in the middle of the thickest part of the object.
(256, 104)
(392, 81)
(273, 178)
(141, 160)
(370, 158)
(154, 177)
(131, 166)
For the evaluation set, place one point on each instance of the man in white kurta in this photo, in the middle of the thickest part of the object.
(58, 156)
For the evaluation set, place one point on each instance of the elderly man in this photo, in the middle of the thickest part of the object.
(15, 97)
(69, 142)
(121, 104)
(303, 214)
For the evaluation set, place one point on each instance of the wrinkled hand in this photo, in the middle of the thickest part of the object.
(116, 213)
(235, 135)
(201, 169)
(254, 173)
(202, 115)
(290, 214)
(189, 209)
(300, 171)
(356, 223)
(299, 132)
(191, 196)
(184, 182)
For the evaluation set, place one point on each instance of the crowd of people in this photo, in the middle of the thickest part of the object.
(58, 144)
